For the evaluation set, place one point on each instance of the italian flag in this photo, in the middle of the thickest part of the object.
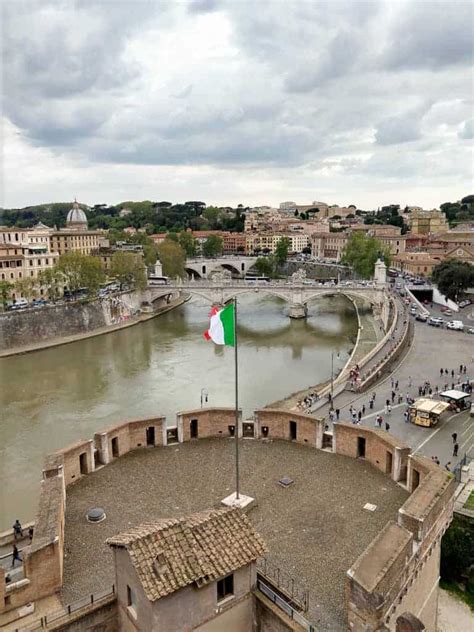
(221, 326)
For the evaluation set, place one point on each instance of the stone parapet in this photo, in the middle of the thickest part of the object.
(397, 571)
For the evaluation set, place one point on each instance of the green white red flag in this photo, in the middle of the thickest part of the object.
(221, 326)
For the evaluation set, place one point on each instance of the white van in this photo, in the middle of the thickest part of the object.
(455, 324)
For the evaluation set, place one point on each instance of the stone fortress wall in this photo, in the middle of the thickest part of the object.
(397, 573)
(30, 326)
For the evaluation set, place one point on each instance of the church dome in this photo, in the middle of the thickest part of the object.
(76, 216)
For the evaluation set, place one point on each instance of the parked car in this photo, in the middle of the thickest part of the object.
(464, 303)
(470, 330)
(458, 325)
(435, 322)
(39, 302)
(422, 317)
(21, 303)
(448, 312)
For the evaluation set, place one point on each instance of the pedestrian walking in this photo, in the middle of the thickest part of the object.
(452, 374)
(389, 410)
(465, 369)
(396, 385)
(371, 404)
(392, 382)
(454, 436)
(430, 391)
(17, 530)
(441, 371)
(455, 449)
(400, 398)
(387, 426)
(437, 461)
(420, 390)
(460, 368)
(393, 396)
(337, 414)
(405, 415)
(359, 416)
(387, 402)
(410, 381)
(373, 396)
(448, 466)
(363, 409)
(30, 534)
(15, 555)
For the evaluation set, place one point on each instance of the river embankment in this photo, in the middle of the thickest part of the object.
(56, 325)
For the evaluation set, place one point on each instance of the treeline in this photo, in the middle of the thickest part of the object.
(154, 217)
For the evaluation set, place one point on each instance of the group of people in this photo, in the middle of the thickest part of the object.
(308, 401)
(18, 535)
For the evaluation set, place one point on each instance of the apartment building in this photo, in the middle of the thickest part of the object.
(425, 222)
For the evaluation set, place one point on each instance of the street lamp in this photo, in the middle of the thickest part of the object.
(331, 407)
(204, 396)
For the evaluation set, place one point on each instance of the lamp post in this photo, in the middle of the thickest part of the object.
(331, 407)
(204, 396)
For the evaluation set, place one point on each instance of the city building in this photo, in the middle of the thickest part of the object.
(76, 237)
(184, 573)
(266, 242)
(327, 245)
(25, 253)
(425, 222)
(415, 263)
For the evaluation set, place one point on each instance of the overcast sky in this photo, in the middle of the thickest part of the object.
(237, 102)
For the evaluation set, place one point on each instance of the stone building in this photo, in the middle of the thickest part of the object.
(425, 222)
(76, 237)
(193, 573)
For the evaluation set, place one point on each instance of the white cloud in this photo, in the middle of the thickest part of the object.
(173, 100)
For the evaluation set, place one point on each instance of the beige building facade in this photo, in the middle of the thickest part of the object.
(425, 222)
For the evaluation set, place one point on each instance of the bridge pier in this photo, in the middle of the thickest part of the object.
(298, 310)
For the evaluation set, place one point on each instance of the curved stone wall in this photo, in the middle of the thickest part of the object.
(397, 572)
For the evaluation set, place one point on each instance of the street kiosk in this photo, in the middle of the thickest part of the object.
(457, 400)
(427, 412)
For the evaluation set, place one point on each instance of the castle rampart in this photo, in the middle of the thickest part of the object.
(397, 573)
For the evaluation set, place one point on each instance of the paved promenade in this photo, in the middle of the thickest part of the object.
(431, 350)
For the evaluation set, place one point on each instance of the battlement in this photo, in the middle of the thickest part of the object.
(397, 571)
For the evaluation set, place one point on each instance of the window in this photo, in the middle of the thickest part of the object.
(131, 601)
(225, 587)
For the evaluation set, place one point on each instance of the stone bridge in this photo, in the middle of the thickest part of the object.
(297, 291)
(203, 268)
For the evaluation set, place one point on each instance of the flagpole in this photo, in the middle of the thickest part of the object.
(237, 481)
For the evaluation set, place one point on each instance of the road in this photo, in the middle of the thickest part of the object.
(432, 349)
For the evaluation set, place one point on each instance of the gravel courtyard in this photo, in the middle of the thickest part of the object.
(314, 529)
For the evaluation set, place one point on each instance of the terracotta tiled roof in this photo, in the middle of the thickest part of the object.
(200, 548)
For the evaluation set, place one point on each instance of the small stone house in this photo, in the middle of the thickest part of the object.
(188, 574)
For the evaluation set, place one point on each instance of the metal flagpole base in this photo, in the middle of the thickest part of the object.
(243, 502)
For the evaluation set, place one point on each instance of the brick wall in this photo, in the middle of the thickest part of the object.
(78, 460)
(278, 424)
(43, 559)
(210, 422)
(381, 449)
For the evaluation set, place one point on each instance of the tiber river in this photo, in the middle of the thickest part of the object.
(54, 397)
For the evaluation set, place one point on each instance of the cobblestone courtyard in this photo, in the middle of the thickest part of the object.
(314, 529)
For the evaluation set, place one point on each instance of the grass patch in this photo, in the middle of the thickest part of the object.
(453, 588)
(469, 504)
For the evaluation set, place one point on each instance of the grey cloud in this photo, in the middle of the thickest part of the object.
(467, 130)
(393, 131)
(430, 35)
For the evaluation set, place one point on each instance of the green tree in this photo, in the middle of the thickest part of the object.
(172, 236)
(362, 252)
(281, 250)
(453, 277)
(51, 279)
(212, 247)
(172, 258)
(5, 292)
(81, 270)
(265, 266)
(128, 268)
(188, 243)
(27, 287)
